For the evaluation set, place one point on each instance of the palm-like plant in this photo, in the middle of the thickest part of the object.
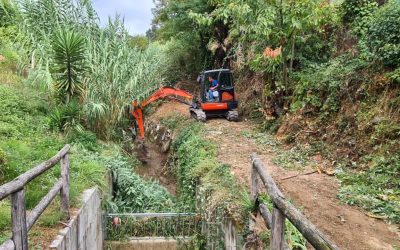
(69, 67)
(116, 72)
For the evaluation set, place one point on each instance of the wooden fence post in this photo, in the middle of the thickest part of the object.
(64, 192)
(254, 194)
(18, 217)
(254, 183)
(278, 229)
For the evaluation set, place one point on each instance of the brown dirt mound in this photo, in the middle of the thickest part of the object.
(170, 108)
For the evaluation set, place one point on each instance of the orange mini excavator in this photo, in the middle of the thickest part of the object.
(224, 104)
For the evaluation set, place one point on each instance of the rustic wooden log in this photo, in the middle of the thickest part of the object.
(18, 217)
(317, 239)
(266, 215)
(65, 185)
(278, 229)
(25, 178)
(254, 184)
(254, 195)
(35, 213)
(43, 204)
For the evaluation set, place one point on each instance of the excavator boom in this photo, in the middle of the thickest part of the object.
(164, 92)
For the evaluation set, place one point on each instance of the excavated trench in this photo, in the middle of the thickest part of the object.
(155, 167)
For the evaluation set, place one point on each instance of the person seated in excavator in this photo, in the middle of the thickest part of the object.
(213, 91)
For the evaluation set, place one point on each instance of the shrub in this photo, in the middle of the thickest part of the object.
(85, 138)
(383, 36)
(66, 118)
(320, 87)
(355, 10)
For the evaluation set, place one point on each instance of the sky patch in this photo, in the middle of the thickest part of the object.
(136, 13)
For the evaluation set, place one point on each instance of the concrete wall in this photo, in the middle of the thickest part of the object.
(84, 231)
(144, 244)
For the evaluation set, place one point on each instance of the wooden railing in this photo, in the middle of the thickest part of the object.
(21, 224)
(282, 210)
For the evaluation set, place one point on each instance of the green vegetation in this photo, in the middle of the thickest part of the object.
(333, 90)
(69, 67)
(132, 193)
(63, 79)
(63, 50)
(375, 188)
(29, 135)
(25, 141)
(198, 172)
(204, 185)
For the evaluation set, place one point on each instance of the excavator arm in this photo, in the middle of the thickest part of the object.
(164, 92)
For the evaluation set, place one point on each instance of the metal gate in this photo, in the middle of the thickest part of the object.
(186, 228)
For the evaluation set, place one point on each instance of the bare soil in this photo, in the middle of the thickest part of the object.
(154, 169)
(315, 194)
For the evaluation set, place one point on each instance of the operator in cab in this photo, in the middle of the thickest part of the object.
(213, 91)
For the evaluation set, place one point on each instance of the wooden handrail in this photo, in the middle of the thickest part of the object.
(19, 182)
(16, 188)
(283, 209)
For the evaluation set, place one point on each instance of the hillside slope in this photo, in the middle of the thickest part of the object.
(316, 194)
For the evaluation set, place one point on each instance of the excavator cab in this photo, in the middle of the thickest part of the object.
(225, 80)
(226, 102)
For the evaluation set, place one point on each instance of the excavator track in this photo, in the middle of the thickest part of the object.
(198, 114)
(232, 116)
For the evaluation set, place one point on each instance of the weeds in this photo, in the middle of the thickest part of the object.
(294, 238)
(132, 193)
(376, 189)
(294, 158)
(204, 185)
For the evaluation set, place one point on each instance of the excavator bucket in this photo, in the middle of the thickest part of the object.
(141, 151)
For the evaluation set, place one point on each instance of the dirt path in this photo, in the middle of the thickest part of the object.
(349, 227)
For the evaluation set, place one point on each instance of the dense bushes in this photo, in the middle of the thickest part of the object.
(383, 36)
(320, 86)
(357, 12)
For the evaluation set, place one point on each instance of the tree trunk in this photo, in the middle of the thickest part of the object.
(292, 53)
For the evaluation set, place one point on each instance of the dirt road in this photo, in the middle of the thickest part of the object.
(349, 227)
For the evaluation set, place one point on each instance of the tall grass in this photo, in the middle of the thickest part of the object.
(116, 72)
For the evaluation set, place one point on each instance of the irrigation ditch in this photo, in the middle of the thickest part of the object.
(200, 217)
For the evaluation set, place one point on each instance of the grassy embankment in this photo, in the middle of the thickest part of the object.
(26, 139)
